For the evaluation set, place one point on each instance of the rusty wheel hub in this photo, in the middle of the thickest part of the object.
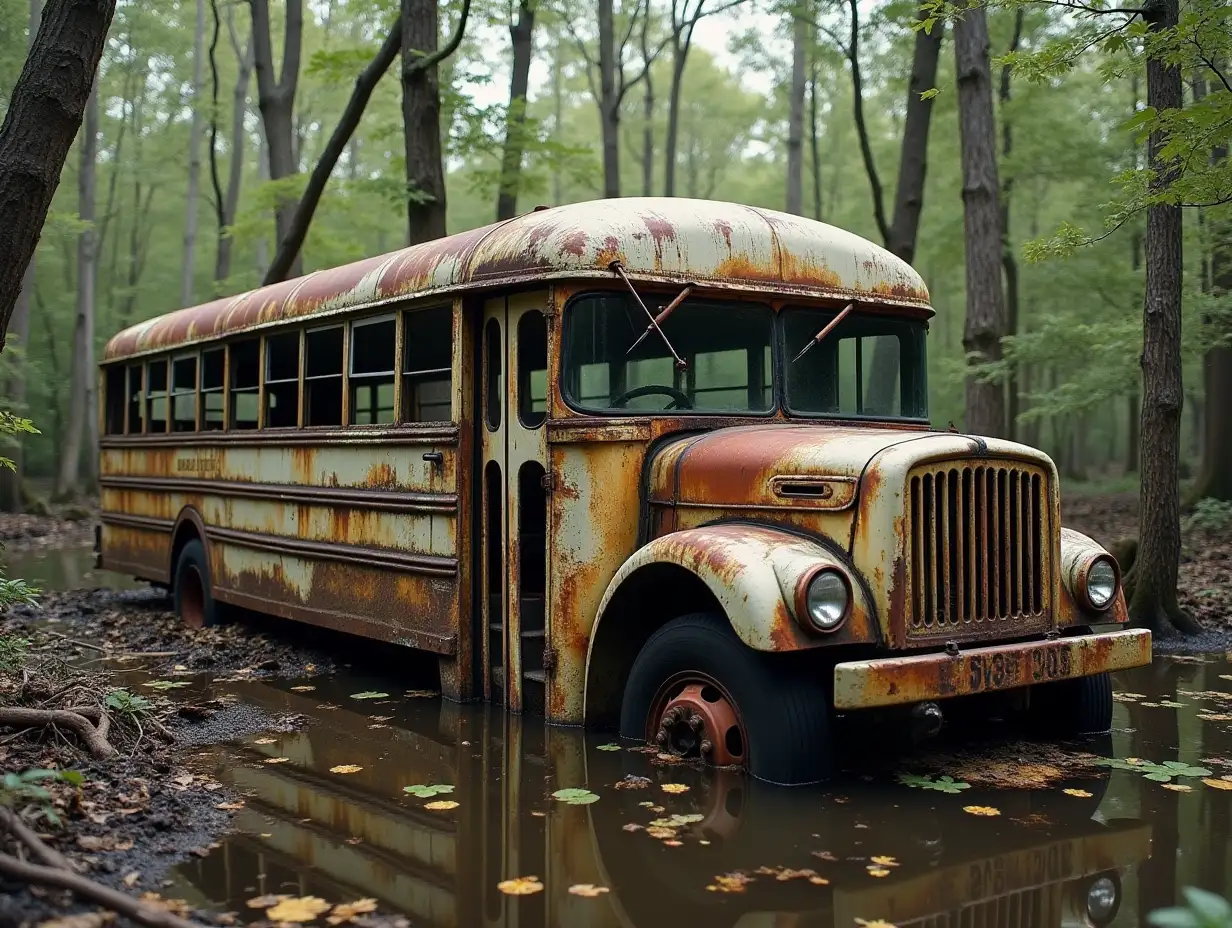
(699, 720)
(192, 599)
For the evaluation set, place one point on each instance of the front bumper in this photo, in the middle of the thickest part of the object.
(919, 677)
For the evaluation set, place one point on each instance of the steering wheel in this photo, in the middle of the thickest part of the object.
(679, 400)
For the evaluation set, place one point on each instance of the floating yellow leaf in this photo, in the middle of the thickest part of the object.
(884, 861)
(277, 760)
(345, 911)
(346, 768)
(1177, 787)
(632, 826)
(1218, 784)
(672, 842)
(298, 909)
(1080, 793)
(981, 810)
(520, 886)
(589, 890)
(658, 831)
(441, 805)
(730, 883)
(818, 880)
(877, 871)
(674, 788)
(265, 741)
(302, 689)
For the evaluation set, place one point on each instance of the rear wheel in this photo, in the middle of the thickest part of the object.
(697, 691)
(194, 601)
(1082, 706)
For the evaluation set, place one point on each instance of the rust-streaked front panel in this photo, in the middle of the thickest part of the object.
(896, 680)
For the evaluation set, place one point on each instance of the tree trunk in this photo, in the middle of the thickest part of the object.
(261, 246)
(69, 483)
(1134, 417)
(421, 120)
(558, 108)
(1153, 582)
(985, 325)
(276, 99)
(521, 34)
(609, 100)
(194, 161)
(648, 113)
(45, 110)
(1008, 261)
(814, 152)
(235, 167)
(795, 119)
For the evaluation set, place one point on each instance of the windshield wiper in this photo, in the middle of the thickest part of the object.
(663, 314)
(619, 269)
(816, 339)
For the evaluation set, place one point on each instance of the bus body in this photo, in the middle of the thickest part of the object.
(660, 463)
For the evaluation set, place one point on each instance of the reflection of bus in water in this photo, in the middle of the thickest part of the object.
(305, 831)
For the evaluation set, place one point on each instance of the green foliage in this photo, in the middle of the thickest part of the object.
(1209, 515)
(575, 796)
(1161, 773)
(1202, 909)
(20, 789)
(11, 425)
(944, 784)
(128, 704)
(13, 650)
(427, 792)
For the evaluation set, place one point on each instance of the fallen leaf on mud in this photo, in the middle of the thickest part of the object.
(981, 810)
(441, 805)
(302, 689)
(575, 796)
(346, 768)
(84, 920)
(369, 694)
(229, 806)
(1218, 784)
(668, 758)
(298, 909)
(266, 741)
(632, 826)
(877, 871)
(345, 911)
(604, 747)
(633, 782)
(427, 792)
(1177, 787)
(1080, 793)
(674, 788)
(730, 883)
(131, 879)
(104, 843)
(174, 906)
(276, 760)
(520, 886)
(589, 890)
(421, 694)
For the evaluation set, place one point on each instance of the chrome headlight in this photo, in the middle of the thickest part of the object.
(1098, 584)
(824, 599)
(1103, 899)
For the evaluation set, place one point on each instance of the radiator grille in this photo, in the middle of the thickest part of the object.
(980, 549)
(1033, 908)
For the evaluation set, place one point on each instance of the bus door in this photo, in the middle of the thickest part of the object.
(513, 550)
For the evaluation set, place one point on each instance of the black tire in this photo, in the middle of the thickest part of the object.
(783, 707)
(1072, 707)
(194, 597)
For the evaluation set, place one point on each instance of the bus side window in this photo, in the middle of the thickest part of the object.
(282, 380)
(115, 401)
(136, 409)
(323, 377)
(184, 394)
(373, 362)
(213, 363)
(156, 395)
(245, 383)
(427, 367)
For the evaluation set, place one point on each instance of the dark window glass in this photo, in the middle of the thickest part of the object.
(156, 395)
(282, 380)
(184, 394)
(114, 400)
(373, 359)
(494, 390)
(323, 377)
(868, 366)
(427, 368)
(136, 409)
(532, 369)
(245, 383)
(213, 363)
(725, 346)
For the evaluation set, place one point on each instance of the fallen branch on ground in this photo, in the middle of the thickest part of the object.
(90, 724)
(141, 912)
(11, 822)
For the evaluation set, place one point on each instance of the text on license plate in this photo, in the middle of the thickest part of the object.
(1007, 669)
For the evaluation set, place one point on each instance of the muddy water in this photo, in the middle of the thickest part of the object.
(305, 830)
(60, 569)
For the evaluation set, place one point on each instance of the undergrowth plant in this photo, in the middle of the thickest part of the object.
(22, 789)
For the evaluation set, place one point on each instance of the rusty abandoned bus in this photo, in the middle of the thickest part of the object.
(660, 464)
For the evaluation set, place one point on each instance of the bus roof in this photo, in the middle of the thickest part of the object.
(656, 239)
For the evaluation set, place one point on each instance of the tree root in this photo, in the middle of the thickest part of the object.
(11, 822)
(140, 912)
(90, 724)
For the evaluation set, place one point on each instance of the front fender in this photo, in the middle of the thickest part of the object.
(752, 571)
(1077, 551)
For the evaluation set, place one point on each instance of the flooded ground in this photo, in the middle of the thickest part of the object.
(390, 794)
(69, 568)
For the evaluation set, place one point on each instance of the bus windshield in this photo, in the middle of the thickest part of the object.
(726, 346)
(867, 365)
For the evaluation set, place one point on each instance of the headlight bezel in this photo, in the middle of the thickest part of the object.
(1114, 879)
(1082, 584)
(804, 616)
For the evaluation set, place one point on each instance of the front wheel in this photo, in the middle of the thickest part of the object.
(697, 691)
(194, 599)
(1082, 706)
